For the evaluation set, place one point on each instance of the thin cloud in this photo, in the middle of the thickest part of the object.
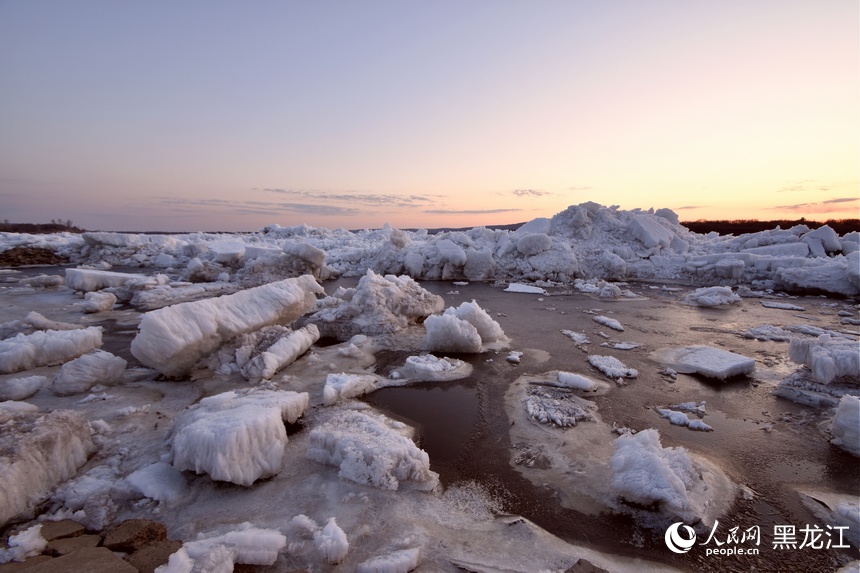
(468, 211)
(843, 200)
(254, 207)
(530, 193)
(686, 207)
(818, 204)
(363, 197)
(580, 188)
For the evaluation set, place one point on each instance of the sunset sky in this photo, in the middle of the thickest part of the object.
(211, 115)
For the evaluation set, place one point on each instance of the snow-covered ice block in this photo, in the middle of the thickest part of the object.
(827, 357)
(612, 367)
(707, 361)
(712, 296)
(447, 333)
(401, 561)
(159, 481)
(46, 348)
(37, 452)
(531, 244)
(645, 472)
(311, 255)
(523, 288)
(649, 231)
(845, 426)
(172, 339)
(84, 372)
(215, 552)
(608, 322)
(796, 249)
(488, 329)
(331, 542)
(342, 386)
(282, 353)
(88, 280)
(236, 437)
(368, 451)
(576, 381)
(22, 388)
(430, 368)
(377, 305)
(97, 302)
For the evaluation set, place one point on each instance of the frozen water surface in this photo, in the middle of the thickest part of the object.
(515, 492)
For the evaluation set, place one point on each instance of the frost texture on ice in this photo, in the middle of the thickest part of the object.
(827, 357)
(845, 426)
(712, 296)
(342, 386)
(331, 542)
(46, 348)
(84, 372)
(37, 452)
(644, 472)
(608, 323)
(401, 561)
(557, 407)
(236, 437)
(707, 361)
(612, 367)
(172, 339)
(377, 305)
(282, 353)
(369, 451)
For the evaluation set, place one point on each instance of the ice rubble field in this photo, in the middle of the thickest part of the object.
(234, 388)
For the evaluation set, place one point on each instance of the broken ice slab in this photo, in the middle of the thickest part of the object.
(706, 360)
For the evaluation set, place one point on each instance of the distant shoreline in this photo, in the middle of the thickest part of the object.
(721, 227)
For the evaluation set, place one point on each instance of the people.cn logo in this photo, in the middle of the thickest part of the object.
(677, 542)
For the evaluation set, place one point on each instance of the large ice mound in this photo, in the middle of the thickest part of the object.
(369, 451)
(236, 437)
(37, 452)
(174, 338)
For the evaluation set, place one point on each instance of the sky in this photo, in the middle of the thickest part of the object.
(230, 116)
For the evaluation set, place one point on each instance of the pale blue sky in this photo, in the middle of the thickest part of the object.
(233, 115)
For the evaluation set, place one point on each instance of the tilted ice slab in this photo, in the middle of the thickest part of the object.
(282, 353)
(235, 437)
(172, 339)
(37, 452)
(46, 348)
(845, 426)
(684, 487)
(88, 280)
(369, 450)
(706, 360)
(827, 357)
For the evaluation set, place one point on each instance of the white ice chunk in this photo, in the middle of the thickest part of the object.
(88, 280)
(81, 374)
(368, 451)
(827, 357)
(781, 305)
(608, 322)
(447, 333)
(612, 367)
(97, 302)
(712, 296)
(576, 381)
(37, 452)
(331, 542)
(247, 545)
(21, 388)
(27, 543)
(282, 353)
(645, 472)
(430, 368)
(451, 252)
(707, 361)
(531, 244)
(159, 481)
(46, 348)
(311, 255)
(172, 339)
(342, 386)
(578, 338)
(488, 329)
(401, 561)
(649, 231)
(523, 288)
(845, 426)
(235, 437)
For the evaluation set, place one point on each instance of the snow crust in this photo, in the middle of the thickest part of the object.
(172, 339)
(46, 348)
(236, 437)
(38, 452)
(368, 450)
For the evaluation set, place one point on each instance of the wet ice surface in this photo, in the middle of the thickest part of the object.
(491, 459)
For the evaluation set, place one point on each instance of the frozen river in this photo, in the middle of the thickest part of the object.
(479, 439)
